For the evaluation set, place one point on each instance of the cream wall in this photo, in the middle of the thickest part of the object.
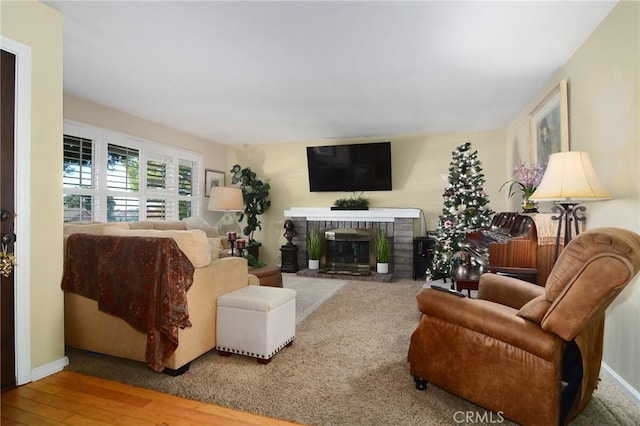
(417, 165)
(83, 111)
(603, 79)
(40, 27)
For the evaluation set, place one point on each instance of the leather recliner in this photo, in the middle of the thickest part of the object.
(528, 352)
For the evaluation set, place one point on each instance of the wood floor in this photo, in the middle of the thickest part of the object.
(68, 398)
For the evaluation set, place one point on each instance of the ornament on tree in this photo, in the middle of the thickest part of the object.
(466, 208)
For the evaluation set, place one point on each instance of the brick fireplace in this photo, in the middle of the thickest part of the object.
(399, 224)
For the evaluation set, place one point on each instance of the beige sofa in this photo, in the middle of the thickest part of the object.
(90, 329)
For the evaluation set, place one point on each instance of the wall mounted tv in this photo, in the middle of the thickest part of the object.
(356, 167)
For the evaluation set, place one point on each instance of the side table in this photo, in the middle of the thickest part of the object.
(289, 255)
(466, 277)
(268, 275)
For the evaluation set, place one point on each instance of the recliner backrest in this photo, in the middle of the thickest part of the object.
(588, 275)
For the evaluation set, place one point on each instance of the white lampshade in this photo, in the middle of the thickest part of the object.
(570, 176)
(226, 198)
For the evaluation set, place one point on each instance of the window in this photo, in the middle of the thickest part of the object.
(117, 178)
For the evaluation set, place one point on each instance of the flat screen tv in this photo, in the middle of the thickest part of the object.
(355, 167)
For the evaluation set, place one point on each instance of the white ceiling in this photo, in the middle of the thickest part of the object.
(261, 72)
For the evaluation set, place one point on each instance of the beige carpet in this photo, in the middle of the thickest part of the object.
(310, 292)
(347, 366)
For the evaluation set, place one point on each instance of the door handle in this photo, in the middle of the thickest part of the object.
(8, 239)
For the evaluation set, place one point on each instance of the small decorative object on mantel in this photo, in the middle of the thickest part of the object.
(354, 203)
(526, 181)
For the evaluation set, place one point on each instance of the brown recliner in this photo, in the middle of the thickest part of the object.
(527, 352)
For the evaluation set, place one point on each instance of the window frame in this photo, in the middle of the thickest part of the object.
(147, 151)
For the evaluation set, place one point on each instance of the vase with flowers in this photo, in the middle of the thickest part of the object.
(526, 180)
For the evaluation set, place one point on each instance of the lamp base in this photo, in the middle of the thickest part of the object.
(228, 224)
(569, 214)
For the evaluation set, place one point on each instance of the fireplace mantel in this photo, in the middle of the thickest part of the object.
(371, 215)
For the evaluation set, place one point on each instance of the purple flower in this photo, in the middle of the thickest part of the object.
(526, 179)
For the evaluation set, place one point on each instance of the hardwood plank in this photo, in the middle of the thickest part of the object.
(131, 390)
(114, 395)
(80, 400)
(77, 404)
(35, 407)
(26, 417)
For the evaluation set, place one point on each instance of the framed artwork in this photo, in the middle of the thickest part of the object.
(549, 125)
(212, 178)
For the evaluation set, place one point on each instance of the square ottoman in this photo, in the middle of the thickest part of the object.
(256, 321)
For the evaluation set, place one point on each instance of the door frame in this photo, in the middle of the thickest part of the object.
(22, 190)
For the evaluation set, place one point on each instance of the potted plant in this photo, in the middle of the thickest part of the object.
(255, 194)
(526, 181)
(383, 252)
(314, 248)
(356, 202)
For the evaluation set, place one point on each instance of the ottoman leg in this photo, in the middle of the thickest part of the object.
(224, 353)
(263, 361)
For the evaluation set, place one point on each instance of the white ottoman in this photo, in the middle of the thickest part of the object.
(256, 321)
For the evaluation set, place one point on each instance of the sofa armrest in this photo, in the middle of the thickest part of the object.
(493, 320)
(253, 280)
(507, 291)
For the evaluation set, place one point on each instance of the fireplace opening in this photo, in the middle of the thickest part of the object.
(349, 251)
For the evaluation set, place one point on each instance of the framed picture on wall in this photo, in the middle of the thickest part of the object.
(549, 125)
(212, 178)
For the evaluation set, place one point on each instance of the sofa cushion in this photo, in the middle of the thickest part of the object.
(193, 243)
(94, 228)
(197, 222)
(214, 247)
(169, 225)
(144, 224)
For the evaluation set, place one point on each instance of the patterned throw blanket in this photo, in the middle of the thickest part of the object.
(142, 280)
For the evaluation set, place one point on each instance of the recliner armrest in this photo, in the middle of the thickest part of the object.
(493, 320)
(507, 291)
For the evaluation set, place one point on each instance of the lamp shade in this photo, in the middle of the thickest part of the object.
(570, 176)
(226, 198)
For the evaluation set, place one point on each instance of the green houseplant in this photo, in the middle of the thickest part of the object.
(355, 202)
(314, 248)
(383, 251)
(255, 194)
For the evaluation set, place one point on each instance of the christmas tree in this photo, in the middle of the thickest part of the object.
(466, 208)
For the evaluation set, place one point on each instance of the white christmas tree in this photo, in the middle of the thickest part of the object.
(466, 208)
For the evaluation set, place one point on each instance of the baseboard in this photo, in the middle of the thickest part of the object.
(49, 369)
(622, 384)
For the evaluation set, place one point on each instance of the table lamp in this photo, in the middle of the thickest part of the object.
(226, 199)
(569, 178)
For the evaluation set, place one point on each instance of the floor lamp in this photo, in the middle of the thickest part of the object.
(226, 199)
(569, 178)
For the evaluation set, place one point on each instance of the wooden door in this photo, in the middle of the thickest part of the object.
(7, 290)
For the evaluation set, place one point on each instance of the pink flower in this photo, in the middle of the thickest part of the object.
(526, 179)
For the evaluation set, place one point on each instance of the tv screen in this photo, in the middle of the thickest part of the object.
(356, 167)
